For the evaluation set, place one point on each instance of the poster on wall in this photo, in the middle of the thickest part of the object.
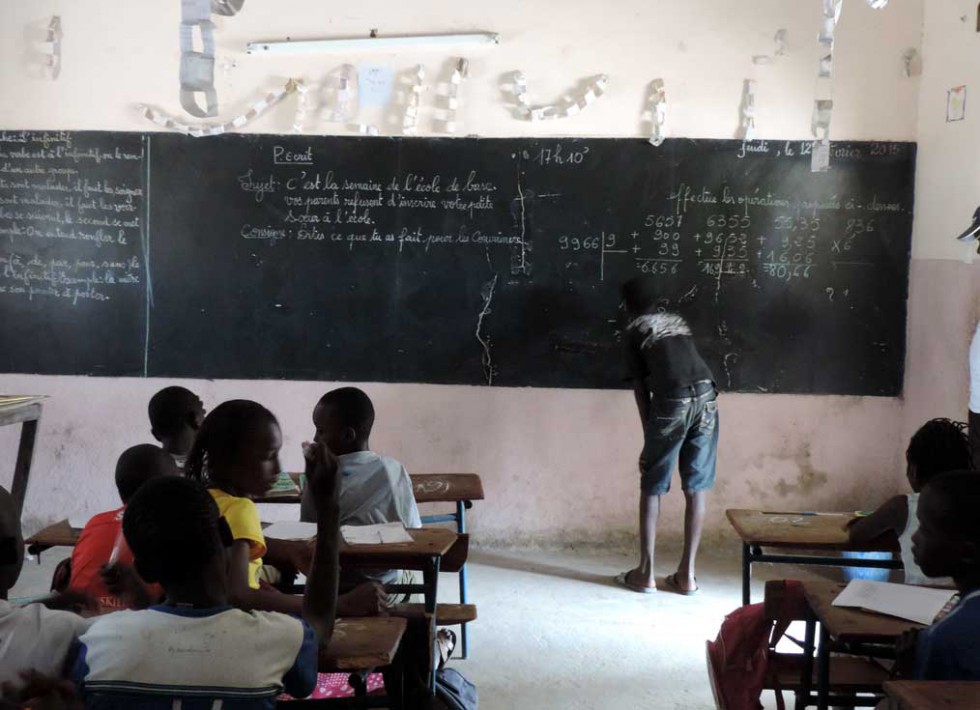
(956, 104)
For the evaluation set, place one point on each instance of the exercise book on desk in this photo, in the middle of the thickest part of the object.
(284, 487)
(384, 533)
(290, 530)
(905, 601)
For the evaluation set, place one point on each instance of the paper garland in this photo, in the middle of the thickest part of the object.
(590, 95)
(658, 112)
(52, 46)
(299, 120)
(452, 99)
(197, 68)
(411, 120)
(747, 127)
(198, 130)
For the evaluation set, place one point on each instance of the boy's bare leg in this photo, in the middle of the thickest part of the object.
(649, 515)
(694, 514)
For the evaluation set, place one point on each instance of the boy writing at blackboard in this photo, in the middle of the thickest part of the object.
(677, 402)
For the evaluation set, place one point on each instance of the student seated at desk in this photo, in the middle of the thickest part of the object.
(374, 489)
(940, 445)
(236, 455)
(32, 637)
(176, 414)
(195, 649)
(948, 543)
(102, 542)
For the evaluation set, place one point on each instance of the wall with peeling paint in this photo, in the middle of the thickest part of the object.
(558, 465)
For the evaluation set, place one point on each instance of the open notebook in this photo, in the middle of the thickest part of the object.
(385, 533)
(905, 601)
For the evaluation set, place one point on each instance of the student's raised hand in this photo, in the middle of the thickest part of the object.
(322, 473)
(368, 599)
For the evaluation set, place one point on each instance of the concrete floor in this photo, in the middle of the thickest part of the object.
(554, 631)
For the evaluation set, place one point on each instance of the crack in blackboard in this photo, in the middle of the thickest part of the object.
(487, 359)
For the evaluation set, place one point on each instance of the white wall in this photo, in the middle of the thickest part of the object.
(945, 288)
(558, 465)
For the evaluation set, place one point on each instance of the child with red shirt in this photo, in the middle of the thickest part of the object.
(102, 543)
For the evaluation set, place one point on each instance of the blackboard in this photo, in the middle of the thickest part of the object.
(484, 261)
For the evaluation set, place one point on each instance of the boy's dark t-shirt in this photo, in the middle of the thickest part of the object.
(662, 353)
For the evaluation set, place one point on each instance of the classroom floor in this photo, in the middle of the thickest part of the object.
(555, 631)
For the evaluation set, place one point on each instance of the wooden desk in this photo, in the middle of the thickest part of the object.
(843, 630)
(26, 411)
(446, 487)
(362, 644)
(820, 533)
(460, 489)
(427, 543)
(933, 694)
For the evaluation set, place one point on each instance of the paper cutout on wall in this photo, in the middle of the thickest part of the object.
(226, 7)
(912, 66)
(747, 127)
(199, 130)
(956, 104)
(563, 109)
(779, 49)
(374, 86)
(877, 4)
(820, 156)
(368, 130)
(820, 122)
(197, 67)
(411, 119)
(658, 112)
(52, 47)
(460, 72)
(345, 105)
(302, 98)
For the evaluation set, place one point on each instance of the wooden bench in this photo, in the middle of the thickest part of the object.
(460, 489)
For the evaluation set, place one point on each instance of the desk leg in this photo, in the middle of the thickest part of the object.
(806, 679)
(22, 470)
(430, 579)
(461, 528)
(823, 670)
(746, 574)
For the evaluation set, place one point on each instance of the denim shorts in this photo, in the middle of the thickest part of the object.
(684, 432)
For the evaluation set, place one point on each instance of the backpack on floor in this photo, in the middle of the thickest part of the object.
(738, 659)
(454, 692)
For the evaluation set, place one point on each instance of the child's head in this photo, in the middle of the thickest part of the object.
(940, 445)
(237, 449)
(639, 295)
(947, 543)
(343, 419)
(138, 464)
(11, 541)
(173, 527)
(176, 414)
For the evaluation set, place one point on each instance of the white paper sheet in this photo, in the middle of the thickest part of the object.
(905, 601)
(385, 533)
(291, 530)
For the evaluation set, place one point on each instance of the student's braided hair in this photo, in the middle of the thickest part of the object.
(940, 445)
(223, 434)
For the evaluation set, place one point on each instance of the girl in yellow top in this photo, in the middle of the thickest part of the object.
(236, 455)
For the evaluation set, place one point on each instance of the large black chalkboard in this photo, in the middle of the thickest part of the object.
(497, 261)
